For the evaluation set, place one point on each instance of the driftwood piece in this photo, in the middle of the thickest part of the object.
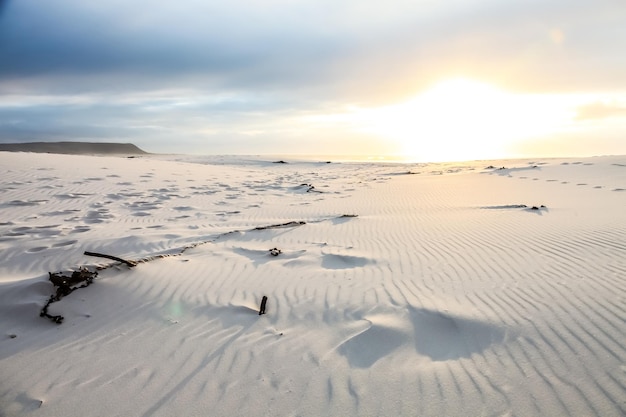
(115, 258)
(310, 188)
(276, 226)
(263, 303)
(66, 285)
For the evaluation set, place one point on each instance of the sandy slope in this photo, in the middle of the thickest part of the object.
(443, 297)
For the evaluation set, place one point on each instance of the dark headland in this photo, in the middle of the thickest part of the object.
(74, 148)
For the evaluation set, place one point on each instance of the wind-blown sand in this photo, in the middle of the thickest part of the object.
(414, 290)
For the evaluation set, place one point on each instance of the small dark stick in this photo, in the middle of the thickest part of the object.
(115, 258)
(263, 302)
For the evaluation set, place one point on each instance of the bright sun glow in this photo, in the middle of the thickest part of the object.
(462, 119)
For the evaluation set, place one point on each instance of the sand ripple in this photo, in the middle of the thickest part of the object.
(388, 294)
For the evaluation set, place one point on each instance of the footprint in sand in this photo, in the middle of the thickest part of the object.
(71, 196)
(97, 216)
(381, 336)
(437, 336)
(65, 243)
(144, 205)
(173, 219)
(22, 404)
(227, 213)
(443, 337)
(37, 249)
(47, 231)
(59, 213)
(331, 261)
(141, 214)
(26, 203)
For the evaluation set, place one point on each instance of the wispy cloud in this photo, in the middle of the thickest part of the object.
(601, 110)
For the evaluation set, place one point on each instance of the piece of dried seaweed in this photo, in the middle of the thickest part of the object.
(65, 285)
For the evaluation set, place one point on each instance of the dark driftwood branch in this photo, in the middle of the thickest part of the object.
(263, 302)
(115, 258)
(64, 285)
(310, 188)
(276, 226)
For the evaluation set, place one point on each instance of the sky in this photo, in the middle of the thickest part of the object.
(422, 79)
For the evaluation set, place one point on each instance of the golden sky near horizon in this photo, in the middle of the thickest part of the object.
(422, 80)
(463, 119)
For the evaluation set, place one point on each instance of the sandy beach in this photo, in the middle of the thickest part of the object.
(491, 288)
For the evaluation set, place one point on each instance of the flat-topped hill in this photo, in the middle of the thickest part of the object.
(74, 148)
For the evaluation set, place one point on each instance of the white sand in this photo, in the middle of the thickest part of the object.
(442, 298)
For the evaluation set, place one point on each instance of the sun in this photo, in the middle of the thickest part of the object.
(462, 119)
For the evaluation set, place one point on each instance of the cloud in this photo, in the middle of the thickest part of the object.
(166, 120)
(191, 44)
(244, 72)
(601, 110)
(602, 140)
(350, 48)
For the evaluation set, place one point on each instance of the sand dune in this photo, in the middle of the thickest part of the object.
(417, 290)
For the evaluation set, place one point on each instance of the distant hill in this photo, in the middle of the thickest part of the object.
(74, 148)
